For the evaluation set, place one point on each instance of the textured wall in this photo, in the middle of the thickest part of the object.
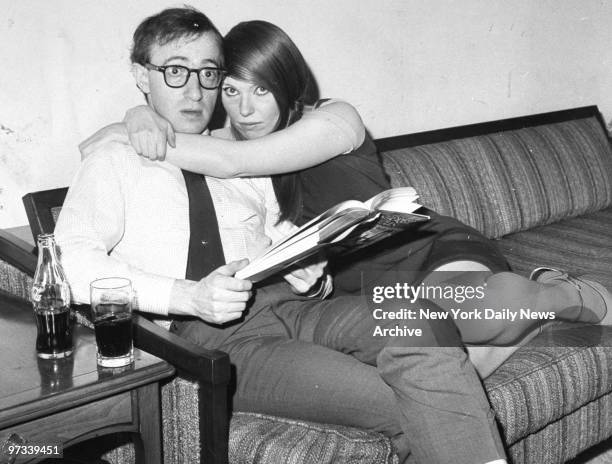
(407, 65)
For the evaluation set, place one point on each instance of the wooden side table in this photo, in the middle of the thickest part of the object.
(69, 401)
(210, 368)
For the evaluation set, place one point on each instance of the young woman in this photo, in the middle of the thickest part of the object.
(274, 132)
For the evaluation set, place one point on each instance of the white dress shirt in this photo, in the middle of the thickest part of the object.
(127, 216)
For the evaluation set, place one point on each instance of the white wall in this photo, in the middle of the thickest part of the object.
(407, 65)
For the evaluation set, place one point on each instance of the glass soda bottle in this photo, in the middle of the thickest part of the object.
(50, 298)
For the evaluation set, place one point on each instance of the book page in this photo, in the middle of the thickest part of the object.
(317, 223)
(301, 245)
(319, 233)
(269, 264)
(379, 227)
(401, 199)
(349, 225)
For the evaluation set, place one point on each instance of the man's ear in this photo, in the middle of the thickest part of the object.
(141, 75)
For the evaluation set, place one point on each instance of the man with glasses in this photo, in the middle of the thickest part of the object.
(176, 76)
(171, 232)
(127, 216)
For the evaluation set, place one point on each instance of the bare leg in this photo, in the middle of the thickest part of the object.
(487, 358)
(491, 342)
(507, 293)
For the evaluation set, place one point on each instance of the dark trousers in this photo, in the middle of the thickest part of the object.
(320, 361)
(412, 255)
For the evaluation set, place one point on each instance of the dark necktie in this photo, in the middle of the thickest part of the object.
(205, 248)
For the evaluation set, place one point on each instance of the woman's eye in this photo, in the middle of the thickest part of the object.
(173, 70)
(261, 91)
(229, 91)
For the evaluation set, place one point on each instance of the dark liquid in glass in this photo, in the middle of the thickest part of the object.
(113, 332)
(54, 331)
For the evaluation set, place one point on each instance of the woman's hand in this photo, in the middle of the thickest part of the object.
(149, 132)
(112, 133)
(303, 279)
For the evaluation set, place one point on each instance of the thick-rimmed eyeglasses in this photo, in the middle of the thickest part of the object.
(176, 76)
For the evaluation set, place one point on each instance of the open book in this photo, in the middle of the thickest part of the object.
(351, 225)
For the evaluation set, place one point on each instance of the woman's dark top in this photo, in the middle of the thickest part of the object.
(358, 175)
(407, 256)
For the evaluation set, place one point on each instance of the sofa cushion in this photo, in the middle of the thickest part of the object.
(552, 399)
(569, 437)
(513, 180)
(14, 282)
(258, 438)
(581, 245)
(561, 373)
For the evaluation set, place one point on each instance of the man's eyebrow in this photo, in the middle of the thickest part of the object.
(216, 63)
(213, 62)
(206, 62)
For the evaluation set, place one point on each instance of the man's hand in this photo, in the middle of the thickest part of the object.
(217, 298)
(112, 133)
(149, 132)
(302, 280)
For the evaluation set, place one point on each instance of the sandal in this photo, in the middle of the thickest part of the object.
(595, 299)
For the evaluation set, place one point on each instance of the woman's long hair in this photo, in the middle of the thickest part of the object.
(262, 53)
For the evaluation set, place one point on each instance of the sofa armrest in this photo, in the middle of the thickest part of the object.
(211, 366)
(18, 253)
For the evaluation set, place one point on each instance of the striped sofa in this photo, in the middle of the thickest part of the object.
(540, 185)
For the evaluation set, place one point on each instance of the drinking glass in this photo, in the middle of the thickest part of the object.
(111, 303)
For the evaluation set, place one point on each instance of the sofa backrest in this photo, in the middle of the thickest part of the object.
(511, 175)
